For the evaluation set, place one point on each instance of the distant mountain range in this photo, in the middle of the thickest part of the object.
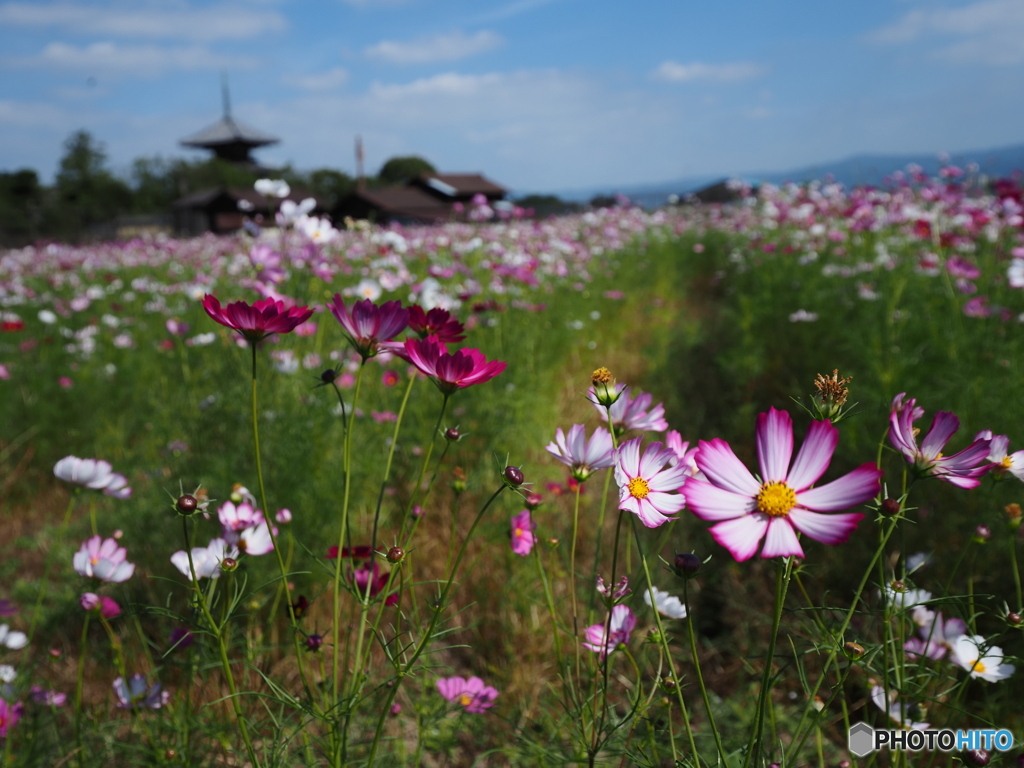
(860, 170)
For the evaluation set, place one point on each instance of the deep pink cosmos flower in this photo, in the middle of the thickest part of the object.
(522, 533)
(364, 571)
(437, 322)
(10, 714)
(367, 326)
(258, 320)
(963, 469)
(582, 456)
(471, 694)
(450, 371)
(646, 485)
(107, 607)
(103, 559)
(782, 503)
(622, 623)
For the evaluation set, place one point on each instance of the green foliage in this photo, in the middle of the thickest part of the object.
(401, 170)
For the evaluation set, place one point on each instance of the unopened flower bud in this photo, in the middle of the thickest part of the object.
(686, 565)
(395, 555)
(300, 606)
(853, 651)
(328, 376)
(898, 586)
(186, 504)
(982, 534)
(458, 479)
(452, 434)
(605, 391)
(170, 754)
(891, 506)
(228, 564)
(533, 500)
(1013, 618)
(313, 642)
(1013, 516)
(513, 476)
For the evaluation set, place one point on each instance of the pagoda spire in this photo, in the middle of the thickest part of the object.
(225, 94)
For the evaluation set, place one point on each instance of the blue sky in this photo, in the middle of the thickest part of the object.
(537, 94)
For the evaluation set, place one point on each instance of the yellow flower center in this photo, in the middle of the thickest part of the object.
(465, 699)
(638, 488)
(518, 533)
(1007, 461)
(94, 560)
(775, 499)
(978, 667)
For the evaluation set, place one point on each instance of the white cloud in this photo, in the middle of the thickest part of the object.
(320, 81)
(447, 84)
(138, 60)
(28, 114)
(986, 32)
(674, 72)
(425, 50)
(175, 20)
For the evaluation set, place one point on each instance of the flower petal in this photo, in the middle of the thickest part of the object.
(709, 502)
(828, 529)
(814, 456)
(774, 437)
(741, 536)
(718, 462)
(781, 540)
(856, 487)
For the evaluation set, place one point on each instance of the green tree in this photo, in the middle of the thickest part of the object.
(86, 194)
(400, 170)
(21, 200)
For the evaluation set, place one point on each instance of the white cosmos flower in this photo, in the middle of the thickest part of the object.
(899, 711)
(11, 639)
(669, 606)
(47, 316)
(272, 187)
(92, 473)
(986, 662)
(206, 559)
(907, 598)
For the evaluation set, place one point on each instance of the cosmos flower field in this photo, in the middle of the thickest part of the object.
(700, 486)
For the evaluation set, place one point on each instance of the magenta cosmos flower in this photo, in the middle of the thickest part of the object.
(103, 559)
(92, 473)
(436, 322)
(258, 320)
(522, 533)
(622, 623)
(782, 503)
(450, 371)
(582, 456)
(471, 694)
(963, 469)
(646, 485)
(368, 325)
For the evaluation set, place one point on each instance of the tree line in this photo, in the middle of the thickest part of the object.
(86, 194)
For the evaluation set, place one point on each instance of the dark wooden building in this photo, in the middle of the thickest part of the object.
(429, 198)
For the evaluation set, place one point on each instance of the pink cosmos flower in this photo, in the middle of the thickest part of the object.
(365, 571)
(622, 623)
(1003, 461)
(107, 607)
(646, 484)
(783, 503)
(239, 517)
(10, 714)
(137, 693)
(367, 326)
(103, 559)
(630, 412)
(522, 533)
(436, 322)
(92, 473)
(471, 694)
(936, 635)
(258, 320)
(583, 457)
(450, 371)
(962, 469)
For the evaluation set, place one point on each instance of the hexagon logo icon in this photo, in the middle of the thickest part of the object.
(861, 740)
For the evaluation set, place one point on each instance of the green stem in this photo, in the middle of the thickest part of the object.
(784, 570)
(428, 635)
(572, 582)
